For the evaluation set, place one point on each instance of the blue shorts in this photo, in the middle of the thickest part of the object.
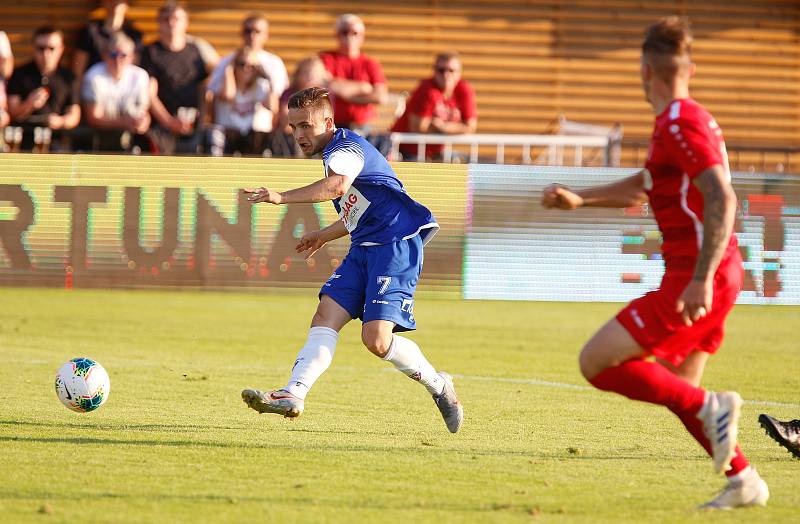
(378, 282)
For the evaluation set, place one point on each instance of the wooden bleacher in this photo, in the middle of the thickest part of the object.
(529, 60)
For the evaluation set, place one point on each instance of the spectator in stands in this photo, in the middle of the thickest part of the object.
(310, 72)
(4, 116)
(444, 103)
(244, 106)
(177, 72)
(357, 80)
(6, 57)
(271, 69)
(93, 38)
(6, 67)
(44, 95)
(116, 96)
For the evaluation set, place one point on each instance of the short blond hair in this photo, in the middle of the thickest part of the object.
(313, 99)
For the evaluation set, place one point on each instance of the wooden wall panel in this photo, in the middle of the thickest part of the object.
(529, 60)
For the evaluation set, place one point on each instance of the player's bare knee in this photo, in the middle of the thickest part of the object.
(588, 363)
(376, 342)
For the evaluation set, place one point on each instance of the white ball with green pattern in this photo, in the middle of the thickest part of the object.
(82, 385)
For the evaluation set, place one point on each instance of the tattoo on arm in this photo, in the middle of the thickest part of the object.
(719, 212)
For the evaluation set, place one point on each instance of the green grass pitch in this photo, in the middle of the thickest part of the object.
(175, 443)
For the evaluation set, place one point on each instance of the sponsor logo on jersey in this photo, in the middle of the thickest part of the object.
(353, 206)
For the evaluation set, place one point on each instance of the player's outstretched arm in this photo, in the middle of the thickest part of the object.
(627, 192)
(314, 240)
(331, 187)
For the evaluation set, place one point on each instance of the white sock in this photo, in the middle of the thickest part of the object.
(312, 360)
(408, 358)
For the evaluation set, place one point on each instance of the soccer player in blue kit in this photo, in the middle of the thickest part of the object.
(377, 278)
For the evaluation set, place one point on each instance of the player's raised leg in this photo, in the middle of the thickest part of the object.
(313, 359)
(745, 487)
(612, 361)
(407, 357)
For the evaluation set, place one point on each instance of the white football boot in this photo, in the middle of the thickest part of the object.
(449, 406)
(720, 416)
(751, 490)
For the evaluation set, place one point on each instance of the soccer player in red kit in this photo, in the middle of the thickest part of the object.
(687, 182)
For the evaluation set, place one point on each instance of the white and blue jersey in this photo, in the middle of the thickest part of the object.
(376, 209)
(388, 229)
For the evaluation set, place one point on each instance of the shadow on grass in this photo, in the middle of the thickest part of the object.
(149, 497)
(292, 499)
(322, 446)
(123, 442)
(117, 427)
(339, 432)
(182, 427)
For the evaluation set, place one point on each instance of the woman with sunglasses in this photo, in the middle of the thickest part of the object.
(245, 104)
(255, 34)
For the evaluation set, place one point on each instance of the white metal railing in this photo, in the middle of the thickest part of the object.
(555, 144)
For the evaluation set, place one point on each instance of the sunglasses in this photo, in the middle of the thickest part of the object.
(443, 70)
(118, 54)
(43, 48)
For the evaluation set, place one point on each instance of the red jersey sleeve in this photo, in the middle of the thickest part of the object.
(421, 102)
(694, 144)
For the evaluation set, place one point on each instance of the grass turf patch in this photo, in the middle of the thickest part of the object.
(175, 443)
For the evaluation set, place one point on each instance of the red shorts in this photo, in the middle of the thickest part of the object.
(655, 324)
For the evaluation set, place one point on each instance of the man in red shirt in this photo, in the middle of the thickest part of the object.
(357, 80)
(687, 181)
(442, 104)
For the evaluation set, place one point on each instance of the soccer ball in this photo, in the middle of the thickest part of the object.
(82, 385)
